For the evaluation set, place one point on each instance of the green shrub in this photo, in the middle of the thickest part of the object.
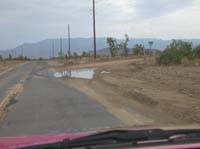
(192, 55)
(197, 51)
(175, 52)
(184, 47)
(170, 57)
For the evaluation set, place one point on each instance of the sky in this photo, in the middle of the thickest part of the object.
(23, 21)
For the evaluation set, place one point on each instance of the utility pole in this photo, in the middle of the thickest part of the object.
(53, 49)
(22, 50)
(15, 53)
(61, 52)
(94, 29)
(69, 44)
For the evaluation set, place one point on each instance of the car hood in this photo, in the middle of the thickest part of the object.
(32, 140)
(23, 141)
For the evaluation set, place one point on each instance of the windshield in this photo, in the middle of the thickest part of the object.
(73, 66)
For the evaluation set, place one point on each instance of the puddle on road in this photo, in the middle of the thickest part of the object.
(79, 73)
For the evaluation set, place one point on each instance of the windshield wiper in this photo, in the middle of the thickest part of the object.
(120, 137)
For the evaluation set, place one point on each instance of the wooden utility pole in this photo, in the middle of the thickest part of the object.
(22, 50)
(53, 49)
(15, 53)
(61, 52)
(94, 29)
(69, 44)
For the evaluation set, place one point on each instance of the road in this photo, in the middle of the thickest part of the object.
(47, 105)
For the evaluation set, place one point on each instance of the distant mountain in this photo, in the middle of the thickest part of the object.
(44, 48)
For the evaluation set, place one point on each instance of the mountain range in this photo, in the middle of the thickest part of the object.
(44, 48)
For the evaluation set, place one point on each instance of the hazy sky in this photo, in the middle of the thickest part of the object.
(33, 20)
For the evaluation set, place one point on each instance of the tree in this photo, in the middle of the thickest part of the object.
(112, 45)
(125, 45)
(138, 49)
(1, 57)
(75, 55)
(10, 57)
(85, 54)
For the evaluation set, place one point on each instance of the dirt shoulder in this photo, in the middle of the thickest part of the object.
(141, 94)
(8, 64)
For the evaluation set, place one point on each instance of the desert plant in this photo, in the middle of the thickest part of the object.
(175, 52)
(170, 57)
(138, 49)
(197, 51)
(75, 55)
(112, 43)
(9, 57)
(184, 47)
(84, 54)
(125, 45)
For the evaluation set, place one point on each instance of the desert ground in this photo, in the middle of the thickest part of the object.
(5, 65)
(139, 93)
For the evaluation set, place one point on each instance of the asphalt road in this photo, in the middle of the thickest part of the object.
(47, 105)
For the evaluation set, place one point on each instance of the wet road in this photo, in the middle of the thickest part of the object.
(47, 105)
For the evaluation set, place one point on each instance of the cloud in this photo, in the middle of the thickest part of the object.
(33, 20)
(183, 23)
(154, 8)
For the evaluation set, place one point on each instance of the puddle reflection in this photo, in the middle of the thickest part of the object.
(79, 73)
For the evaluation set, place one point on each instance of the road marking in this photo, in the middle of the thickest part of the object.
(8, 70)
(18, 88)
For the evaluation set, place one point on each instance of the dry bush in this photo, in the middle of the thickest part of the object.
(187, 62)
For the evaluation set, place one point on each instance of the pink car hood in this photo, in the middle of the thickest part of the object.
(24, 141)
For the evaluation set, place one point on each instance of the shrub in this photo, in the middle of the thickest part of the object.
(138, 49)
(184, 47)
(197, 51)
(170, 57)
(175, 52)
(192, 55)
